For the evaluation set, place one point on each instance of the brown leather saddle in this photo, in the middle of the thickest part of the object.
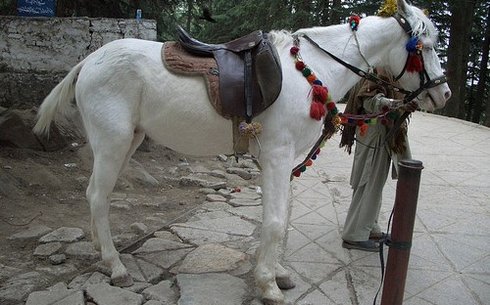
(249, 70)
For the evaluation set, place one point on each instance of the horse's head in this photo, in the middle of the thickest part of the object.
(422, 66)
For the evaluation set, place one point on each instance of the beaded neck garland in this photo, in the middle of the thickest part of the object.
(322, 102)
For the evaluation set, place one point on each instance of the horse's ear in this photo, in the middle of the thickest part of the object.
(403, 8)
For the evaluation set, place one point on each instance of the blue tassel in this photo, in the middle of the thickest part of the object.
(411, 45)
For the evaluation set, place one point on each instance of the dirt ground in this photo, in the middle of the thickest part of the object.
(48, 188)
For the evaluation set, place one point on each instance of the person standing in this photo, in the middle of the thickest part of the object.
(372, 158)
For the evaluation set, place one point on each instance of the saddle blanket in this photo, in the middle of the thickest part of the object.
(179, 61)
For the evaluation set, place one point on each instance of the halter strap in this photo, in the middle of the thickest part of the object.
(366, 75)
(403, 23)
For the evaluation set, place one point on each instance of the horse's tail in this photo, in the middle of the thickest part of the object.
(57, 101)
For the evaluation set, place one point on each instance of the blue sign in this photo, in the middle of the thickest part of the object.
(44, 8)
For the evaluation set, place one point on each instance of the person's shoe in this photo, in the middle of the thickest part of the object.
(379, 235)
(366, 245)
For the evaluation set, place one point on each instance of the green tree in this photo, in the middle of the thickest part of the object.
(458, 54)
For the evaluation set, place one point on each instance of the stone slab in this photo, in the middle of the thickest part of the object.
(211, 288)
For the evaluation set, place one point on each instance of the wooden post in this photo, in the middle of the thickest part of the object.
(407, 190)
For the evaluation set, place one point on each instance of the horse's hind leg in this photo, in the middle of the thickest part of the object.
(110, 153)
(138, 138)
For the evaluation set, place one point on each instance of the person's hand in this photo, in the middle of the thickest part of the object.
(410, 106)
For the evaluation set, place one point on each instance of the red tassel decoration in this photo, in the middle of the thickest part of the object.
(320, 93)
(317, 110)
(297, 173)
(414, 63)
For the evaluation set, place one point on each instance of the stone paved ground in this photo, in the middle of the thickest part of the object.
(208, 258)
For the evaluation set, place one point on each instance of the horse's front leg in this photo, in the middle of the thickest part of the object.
(276, 171)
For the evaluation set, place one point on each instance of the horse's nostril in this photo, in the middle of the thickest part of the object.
(447, 95)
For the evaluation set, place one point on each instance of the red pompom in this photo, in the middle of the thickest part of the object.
(320, 93)
(297, 173)
(355, 19)
(309, 162)
(294, 50)
(414, 63)
(360, 122)
(300, 65)
(317, 110)
(363, 130)
(331, 106)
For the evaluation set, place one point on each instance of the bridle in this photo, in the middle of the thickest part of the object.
(425, 81)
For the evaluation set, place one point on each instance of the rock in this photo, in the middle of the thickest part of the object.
(215, 198)
(201, 181)
(16, 131)
(238, 202)
(124, 238)
(48, 249)
(166, 235)
(31, 233)
(246, 193)
(139, 228)
(243, 173)
(161, 292)
(6, 272)
(137, 172)
(63, 234)
(222, 158)
(165, 259)
(213, 230)
(140, 270)
(16, 289)
(58, 270)
(83, 281)
(207, 191)
(57, 259)
(248, 212)
(224, 192)
(212, 258)
(82, 250)
(57, 294)
(153, 302)
(217, 173)
(211, 288)
(158, 244)
(214, 206)
(104, 294)
(138, 287)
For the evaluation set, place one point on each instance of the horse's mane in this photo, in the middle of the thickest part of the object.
(280, 37)
(422, 26)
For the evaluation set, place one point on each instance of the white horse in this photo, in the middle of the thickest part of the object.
(124, 92)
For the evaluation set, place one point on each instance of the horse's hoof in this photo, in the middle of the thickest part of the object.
(285, 282)
(267, 301)
(122, 281)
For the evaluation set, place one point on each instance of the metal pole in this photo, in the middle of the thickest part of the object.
(407, 191)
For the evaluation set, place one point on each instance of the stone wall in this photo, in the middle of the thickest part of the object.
(36, 53)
